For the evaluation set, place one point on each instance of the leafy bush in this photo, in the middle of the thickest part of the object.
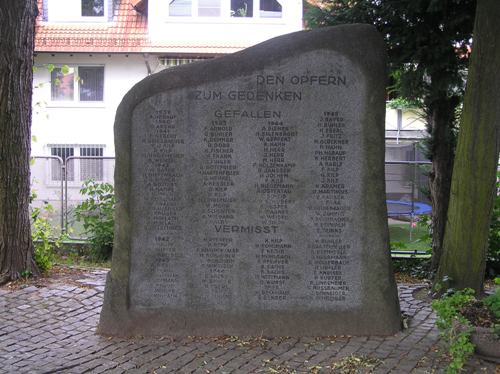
(414, 267)
(455, 328)
(493, 257)
(493, 301)
(458, 312)
(44, 239)
(97, 215)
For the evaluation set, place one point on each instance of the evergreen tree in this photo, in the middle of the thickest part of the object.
(427, 43)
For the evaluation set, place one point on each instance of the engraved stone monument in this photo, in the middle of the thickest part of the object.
(251, 195)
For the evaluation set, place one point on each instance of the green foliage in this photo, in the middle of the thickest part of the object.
(454, 328)
(427, 45)
(65, 69)
(410, 236)
(493, 257)
(397, 246)
(493, 301)
(402, 103)
(448, 307)
(81, 260)
(97, 215)
(45, 240)
(496, 331)
(414, 267)
(241, 12)
(424, 224)
(427, 40)
(25, 274)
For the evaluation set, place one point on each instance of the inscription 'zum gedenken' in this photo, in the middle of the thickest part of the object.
(272, 95)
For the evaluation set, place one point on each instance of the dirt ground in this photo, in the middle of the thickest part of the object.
(58, 274)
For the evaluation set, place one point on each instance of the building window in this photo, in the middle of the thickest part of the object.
(270, 9)
(91, 83)
(82, 83)
(218, 8)
(92, 8)
(56, 167)
(209, 8)
(62, 83)
(242, 8)
(88, 165)
(170, 62)
(91, 168)
(180, 8)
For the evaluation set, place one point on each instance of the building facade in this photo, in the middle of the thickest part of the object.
(89, 53)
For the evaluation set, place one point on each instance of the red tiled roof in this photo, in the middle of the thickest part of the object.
(127, 33)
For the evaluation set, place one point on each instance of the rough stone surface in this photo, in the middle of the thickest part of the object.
(250, 194)
(55, 332)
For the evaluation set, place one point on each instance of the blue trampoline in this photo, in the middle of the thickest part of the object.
(405, 208)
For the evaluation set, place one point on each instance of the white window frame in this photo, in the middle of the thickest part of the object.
(76, 102)
(226, 14)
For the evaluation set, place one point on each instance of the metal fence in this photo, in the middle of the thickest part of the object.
(406, 170)
(58, 181)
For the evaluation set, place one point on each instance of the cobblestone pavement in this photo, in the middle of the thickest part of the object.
(52, 330)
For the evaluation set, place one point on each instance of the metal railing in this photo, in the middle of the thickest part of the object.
(58, 182)
(44, 189)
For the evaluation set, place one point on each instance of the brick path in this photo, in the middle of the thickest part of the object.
(52, 330)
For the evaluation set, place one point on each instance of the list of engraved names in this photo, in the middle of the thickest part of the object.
(263, 197)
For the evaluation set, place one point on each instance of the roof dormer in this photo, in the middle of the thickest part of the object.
(71, 11)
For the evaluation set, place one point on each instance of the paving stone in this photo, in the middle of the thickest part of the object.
(50, 340)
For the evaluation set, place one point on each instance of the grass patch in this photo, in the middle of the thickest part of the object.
(412, 238)
(80, 260)
(78, 253)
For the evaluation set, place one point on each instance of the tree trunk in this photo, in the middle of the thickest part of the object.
(473, 185)
(17, 23)
(441, 121)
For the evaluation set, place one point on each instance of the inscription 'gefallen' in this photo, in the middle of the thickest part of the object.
(250, 205)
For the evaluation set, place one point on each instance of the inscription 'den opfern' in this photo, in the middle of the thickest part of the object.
(254, 194)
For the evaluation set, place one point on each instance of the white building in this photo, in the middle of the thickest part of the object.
(89, 53)
(104, 47)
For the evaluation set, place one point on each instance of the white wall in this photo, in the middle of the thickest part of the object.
(75, 123)
(411, 119)
(81, 123)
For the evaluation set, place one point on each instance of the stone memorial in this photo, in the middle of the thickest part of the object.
(250, 194)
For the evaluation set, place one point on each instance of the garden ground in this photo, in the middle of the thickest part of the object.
(48, 326)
